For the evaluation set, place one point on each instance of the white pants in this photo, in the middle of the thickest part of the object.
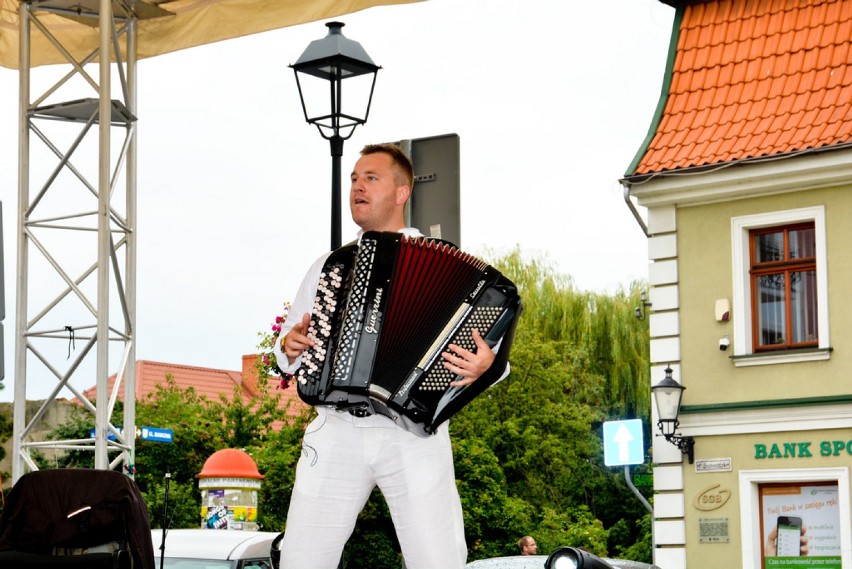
(343, 459)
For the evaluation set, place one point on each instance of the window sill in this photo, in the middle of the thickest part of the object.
(785, 357)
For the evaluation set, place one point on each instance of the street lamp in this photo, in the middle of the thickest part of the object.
(320, 73)
(639, 312)
(668, 394)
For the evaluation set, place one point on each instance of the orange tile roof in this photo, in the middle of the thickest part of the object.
(750, 79)
(209, 382)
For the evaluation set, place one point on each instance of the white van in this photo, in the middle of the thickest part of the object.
(213, 549)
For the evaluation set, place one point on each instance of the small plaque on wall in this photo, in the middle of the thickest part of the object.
(713, 465)
(713, 530)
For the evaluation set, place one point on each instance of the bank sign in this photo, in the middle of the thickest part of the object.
(801, 449)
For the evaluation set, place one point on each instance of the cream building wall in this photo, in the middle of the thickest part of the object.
(735, 402)
(706, 273)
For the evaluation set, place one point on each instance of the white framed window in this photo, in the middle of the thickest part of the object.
(750, 482)
(747, 323)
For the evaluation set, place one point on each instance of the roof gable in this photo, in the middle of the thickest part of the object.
(752, 79)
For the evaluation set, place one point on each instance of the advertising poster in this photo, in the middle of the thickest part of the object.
(800, 525)
(215, 515)
(229, 508)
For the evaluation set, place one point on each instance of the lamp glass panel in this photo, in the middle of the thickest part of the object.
(356, 91)
(348, 102)
(327, 70)
(668, 427)
(668, 401)
(316, 96)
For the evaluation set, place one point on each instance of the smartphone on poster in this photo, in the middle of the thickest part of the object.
(789, 531)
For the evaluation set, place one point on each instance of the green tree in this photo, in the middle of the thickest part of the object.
(603, 326)
(578, 359)
(172, 504)
(200, 428)
(248, 423)
(276, 459)
(373, 543)
(5, 433)
(196, 426)
(78, 426)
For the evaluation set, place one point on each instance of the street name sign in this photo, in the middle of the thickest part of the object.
(155, 434)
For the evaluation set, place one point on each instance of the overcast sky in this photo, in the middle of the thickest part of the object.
(550, 98)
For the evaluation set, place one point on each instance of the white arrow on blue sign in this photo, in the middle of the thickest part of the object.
(623, 442)
(154, 434)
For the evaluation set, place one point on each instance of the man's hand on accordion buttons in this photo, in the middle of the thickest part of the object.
(296, 340)
(469, 365)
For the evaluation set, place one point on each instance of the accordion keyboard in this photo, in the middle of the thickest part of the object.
(360, 279)
(321, 326)
(482, 318)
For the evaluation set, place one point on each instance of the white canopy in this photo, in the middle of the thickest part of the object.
(164, 26)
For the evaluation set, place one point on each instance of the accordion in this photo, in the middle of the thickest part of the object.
(385, 310)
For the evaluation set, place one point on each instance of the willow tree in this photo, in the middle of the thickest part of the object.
(602, 327)
(579, 359)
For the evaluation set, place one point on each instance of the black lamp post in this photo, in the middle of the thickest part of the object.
(668, 394)
(320, 73)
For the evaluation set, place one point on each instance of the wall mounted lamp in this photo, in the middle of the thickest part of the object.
(639, 311)
(668, 394)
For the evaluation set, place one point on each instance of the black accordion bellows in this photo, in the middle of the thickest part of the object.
(386, 309)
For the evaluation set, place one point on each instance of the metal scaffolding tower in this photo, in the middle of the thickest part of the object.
(76, 261)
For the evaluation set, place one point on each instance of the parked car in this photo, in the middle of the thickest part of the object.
(562, 558)
(214, 549)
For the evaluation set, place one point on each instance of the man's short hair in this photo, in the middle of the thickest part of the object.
(405, 173)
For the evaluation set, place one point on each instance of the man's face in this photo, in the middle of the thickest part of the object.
(530, 547)
(375, 199)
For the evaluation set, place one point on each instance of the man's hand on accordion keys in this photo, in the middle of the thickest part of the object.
(296, 340)
(469, 365)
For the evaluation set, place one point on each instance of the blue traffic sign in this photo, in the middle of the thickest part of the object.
(154, 434)
(623, 442)
(110, 435)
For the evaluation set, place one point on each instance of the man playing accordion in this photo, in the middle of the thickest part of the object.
(345, 455)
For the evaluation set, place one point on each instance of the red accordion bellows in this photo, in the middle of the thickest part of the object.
(429, 282)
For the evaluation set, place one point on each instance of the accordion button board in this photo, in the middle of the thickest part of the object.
(482, 318)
